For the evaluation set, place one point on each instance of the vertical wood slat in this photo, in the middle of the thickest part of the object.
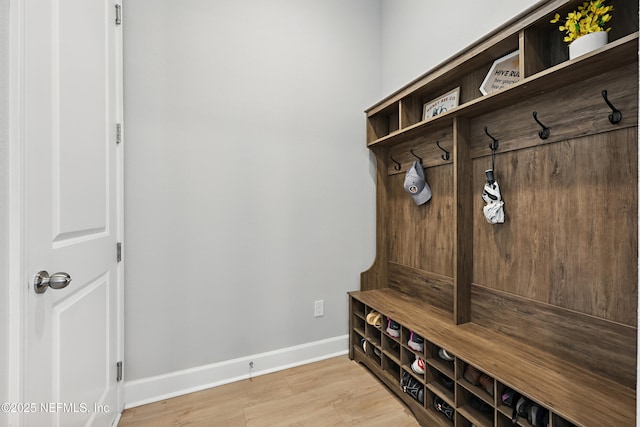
(376, 276)
(463, 222)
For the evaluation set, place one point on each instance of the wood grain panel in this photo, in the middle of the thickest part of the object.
(601, 346)
(426, 288)
(574, 392)
(376, 276)
(463, 193)
(422, 236)
(570, 234)
(560, 110)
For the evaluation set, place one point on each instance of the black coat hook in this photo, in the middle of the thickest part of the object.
(416, 156)
(445, 156)
(494, 145)
(398, 166)
(616, 116)
(544, 133)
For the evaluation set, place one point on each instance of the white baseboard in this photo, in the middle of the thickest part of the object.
(153, 389)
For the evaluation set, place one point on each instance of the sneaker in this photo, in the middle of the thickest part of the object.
(444, 355)
(363, 343)
(538, 416)
(393, 328)
(416, 342)
(418, 366)
(442, 406)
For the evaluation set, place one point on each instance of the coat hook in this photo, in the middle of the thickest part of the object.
(398, 166)
(615, 116)
(416, 156)
(445, 156)
(494, 145)
(544, 133)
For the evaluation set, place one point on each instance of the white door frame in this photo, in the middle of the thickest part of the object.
(18, 277)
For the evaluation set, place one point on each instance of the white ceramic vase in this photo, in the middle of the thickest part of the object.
(587, 43)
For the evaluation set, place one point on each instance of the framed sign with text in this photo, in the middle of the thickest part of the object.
(441, 104)
(504, 72)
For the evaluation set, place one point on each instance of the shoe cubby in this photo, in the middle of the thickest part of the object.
(389, 330)
(391, 366)
(461, 421)
(514, 406)
(443, 380)
(358, 309)
(358, 342)
(434, 357)
(557, 421)
(359, 325)
(475, 381)
(409, 358)
(440, 407)
(414, 342)
(373, 333)
(391, 346)
(473, 408)
(441, 384)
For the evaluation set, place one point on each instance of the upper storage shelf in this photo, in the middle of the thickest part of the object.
(543, 65)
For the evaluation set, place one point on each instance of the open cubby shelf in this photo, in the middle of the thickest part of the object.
(568, 392)
(544, 304)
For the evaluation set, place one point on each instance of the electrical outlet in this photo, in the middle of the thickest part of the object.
(318, 308)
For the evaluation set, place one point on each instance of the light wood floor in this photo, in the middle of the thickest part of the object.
(333, 392)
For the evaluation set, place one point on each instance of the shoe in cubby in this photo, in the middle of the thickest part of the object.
(374, 319)
(415, 342)
(445, 356)
(412, 386)
(393, 328)
(443, 407)
(474, 409)
(418, 366)
(391, 346)
(479, 379)
(523, 408)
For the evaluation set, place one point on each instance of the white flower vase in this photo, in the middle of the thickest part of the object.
(587, 43)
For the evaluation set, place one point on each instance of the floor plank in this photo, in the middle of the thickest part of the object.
(332, 392)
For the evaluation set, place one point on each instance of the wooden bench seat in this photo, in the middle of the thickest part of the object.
(582, 397)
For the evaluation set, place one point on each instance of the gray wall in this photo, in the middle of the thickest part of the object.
(4, 204)
(249, 190)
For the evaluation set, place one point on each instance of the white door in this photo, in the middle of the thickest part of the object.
(71, 101)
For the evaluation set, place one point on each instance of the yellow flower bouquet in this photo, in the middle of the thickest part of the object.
(591, 17)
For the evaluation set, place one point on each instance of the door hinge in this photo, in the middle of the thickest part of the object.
(118, 133)
(119, 371)
(118, 251)
(118, 15)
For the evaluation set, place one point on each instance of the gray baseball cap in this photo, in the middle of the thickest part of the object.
(416, 184)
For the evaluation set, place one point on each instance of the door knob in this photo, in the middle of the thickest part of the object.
(42, 281)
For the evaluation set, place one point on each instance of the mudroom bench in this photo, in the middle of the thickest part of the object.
(571, 394)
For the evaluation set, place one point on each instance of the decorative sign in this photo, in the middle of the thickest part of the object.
(504, 72)
(441, 104)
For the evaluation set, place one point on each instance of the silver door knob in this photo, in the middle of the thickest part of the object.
(42, 281)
